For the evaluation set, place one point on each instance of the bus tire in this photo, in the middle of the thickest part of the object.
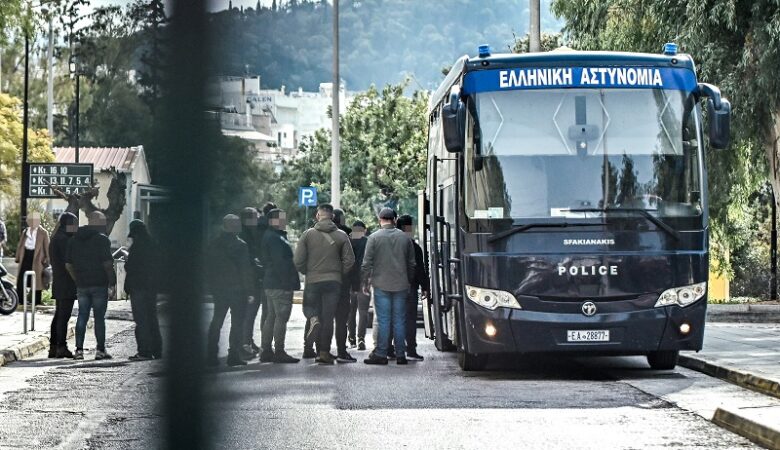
(470, 362)
(665, 360)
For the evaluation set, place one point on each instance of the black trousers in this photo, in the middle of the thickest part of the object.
(321, 300)
(224, 302)
(27, 263)
(342, 318)
(147, 327)
(59, 324)
(358, 314)
(251, 315)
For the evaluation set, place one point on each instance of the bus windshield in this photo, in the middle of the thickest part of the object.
(567, 152)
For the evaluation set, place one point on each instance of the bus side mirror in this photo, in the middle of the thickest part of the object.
(719, 115)
(720, 123)
(453, 124)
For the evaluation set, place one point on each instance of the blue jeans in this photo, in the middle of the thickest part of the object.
(92, 298)
(390, 307)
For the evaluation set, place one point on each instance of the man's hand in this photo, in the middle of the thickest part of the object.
(251, 299)
(366, 288)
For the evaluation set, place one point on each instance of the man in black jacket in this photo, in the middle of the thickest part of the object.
(231, 283)
(359, 302)
(250, 235)
(342, 311)
(420, 283)
(63, 288)
(90, 264)
(281, 279)
(142, 271)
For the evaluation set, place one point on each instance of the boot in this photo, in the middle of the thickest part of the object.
(234, 359)
(267, 356)
(52, 352)
(63, 352)
(282, 357)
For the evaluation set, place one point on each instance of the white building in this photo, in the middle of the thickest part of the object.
(129, 160)
(273, 120)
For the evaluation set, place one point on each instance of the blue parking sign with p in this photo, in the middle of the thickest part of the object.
(307, 196)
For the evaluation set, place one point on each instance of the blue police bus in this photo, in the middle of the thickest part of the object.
(566, 205)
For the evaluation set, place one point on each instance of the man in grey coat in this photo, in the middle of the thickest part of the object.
(388, 267)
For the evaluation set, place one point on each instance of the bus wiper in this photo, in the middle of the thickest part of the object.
(506, 233)
(643, 212)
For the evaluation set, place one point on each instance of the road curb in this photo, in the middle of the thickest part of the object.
(27, 349)
(740, 378)
(754, 431)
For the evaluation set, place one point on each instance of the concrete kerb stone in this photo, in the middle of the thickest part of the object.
(27, 349)
(743, 313)
(740, 378)
(756, 432)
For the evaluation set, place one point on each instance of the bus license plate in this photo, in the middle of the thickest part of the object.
(587, 335)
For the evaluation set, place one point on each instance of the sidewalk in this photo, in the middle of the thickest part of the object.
(748, 355)
(15, 346)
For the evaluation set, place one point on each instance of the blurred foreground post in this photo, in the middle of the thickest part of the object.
(182, 166)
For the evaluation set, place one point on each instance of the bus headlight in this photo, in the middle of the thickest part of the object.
(491, 299)
(682, 296)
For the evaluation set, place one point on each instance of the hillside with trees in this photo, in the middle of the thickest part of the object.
(382, 41)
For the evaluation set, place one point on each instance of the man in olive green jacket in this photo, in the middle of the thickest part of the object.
(324, 254)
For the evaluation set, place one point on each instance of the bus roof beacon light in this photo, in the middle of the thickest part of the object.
(484, 51)
(670, 49)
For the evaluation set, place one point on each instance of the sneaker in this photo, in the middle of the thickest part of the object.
(309, 352)
(391, 353)
(283, 358)
(415, 356)
(245, 352)
(266, 356)
(79, 354)
(352, 343)
(235, 359)
(345, 357)
(102, 354)
(314, 331)
(377, 360)
(255, 349)
(140, 357)
(52, 352)
(402, 361)
(325, 358)
(361, 344)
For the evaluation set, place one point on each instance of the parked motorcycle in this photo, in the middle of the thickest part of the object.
(9, 300)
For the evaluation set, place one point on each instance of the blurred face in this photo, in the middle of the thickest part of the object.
(232, 225)
(280, 223)
(33, 220)
(358, 232)
(72, 227)
(249, 219)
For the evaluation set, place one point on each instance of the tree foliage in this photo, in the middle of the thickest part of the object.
(383, 151)
(11, 130)
(736, 45)
(382, 41)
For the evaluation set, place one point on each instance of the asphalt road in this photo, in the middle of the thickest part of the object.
(533, 403)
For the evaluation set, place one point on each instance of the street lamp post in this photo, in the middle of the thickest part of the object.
(335, 157)
(75, 70)
(25, 123)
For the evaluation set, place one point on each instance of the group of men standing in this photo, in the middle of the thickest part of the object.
(254, 264)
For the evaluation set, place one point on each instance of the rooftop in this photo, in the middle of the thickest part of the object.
(103, 158)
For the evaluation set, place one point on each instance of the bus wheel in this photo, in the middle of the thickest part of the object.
(666, 360)
(470, 362)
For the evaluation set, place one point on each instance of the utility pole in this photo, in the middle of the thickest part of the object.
(50, 80)
(535, 38)
(773, 250)
(25, 120)
(335, 157)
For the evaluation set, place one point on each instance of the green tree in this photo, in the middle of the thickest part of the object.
(11, 130)
(383, 153)
(736, 45)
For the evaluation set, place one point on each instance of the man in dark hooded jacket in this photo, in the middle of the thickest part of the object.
(91, 265)
(342, 311)
(281, 280)
(63, 288)
(232, 284)
(142, 284)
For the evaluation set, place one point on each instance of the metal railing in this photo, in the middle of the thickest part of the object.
(30, 274)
